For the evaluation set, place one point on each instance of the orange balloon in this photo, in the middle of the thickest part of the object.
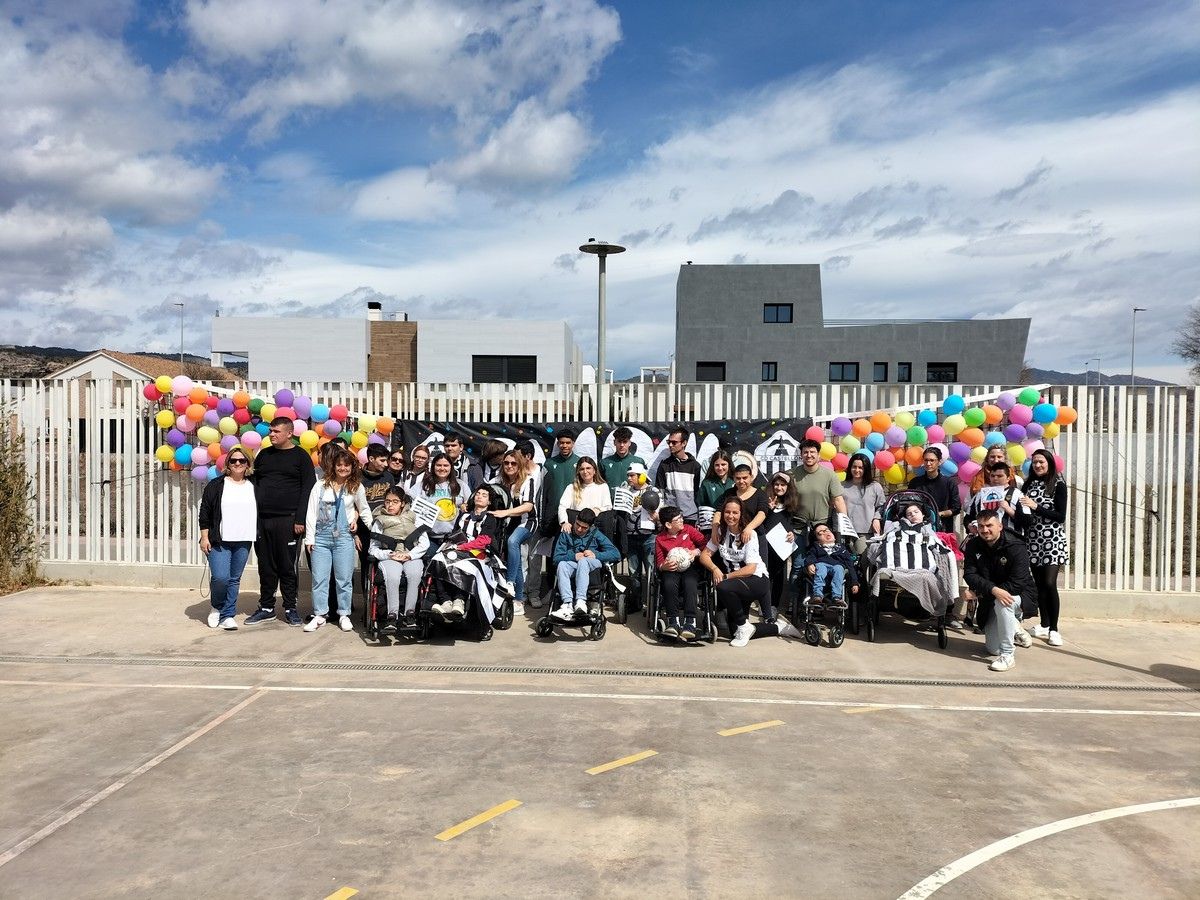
(241, 399)
(992, 414)
(861, 428)
(1066, 415)
(197, 395)
(196, 411)
(881, 422)
(914, 455)
(385, 425)
(316, 457)
(214, 450)
(972, 437)
(175, 467)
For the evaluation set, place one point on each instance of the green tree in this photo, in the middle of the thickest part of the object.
(1187, 342)
(18, 532)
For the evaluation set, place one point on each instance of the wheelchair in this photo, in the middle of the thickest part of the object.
(602, 590)
(706, 609)
(818, 609)
(445, 581)
(374, 608)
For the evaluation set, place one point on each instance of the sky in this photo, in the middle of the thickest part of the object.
(938, 159)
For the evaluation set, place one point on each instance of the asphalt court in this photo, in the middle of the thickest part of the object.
(343, 779)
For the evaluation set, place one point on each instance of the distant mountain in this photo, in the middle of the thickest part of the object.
(38, 362)
(1050, 376)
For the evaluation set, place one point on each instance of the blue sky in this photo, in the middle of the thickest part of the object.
(937, 158)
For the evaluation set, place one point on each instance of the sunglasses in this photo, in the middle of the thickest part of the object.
(507, 464)
(398, 459)
(239, 462)
(672, 443)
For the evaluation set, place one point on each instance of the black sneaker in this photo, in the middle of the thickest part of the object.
(292, 618)
(260, 616)
(389, 627)
(672, 629)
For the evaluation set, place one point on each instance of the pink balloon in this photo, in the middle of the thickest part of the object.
(935, 433)
(1030, 446)
(251, 440)
(299, 426)
(968, 470)
(362, 456)
(1059, 463)
(884, 460)
(150, 392)
(815, 433)
(827, 464)
(186, 425)
(1020, 414)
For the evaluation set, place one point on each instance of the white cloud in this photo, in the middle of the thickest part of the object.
(409, 194)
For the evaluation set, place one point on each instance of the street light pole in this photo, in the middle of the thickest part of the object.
(601, 249)
(1133, 345)
(180, 305)
(1096, 360)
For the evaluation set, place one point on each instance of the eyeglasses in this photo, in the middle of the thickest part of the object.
(507, 464)
(673, 443)
(239, 462)
(398, 459)
(932, 459)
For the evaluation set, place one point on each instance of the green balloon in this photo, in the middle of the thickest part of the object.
(255, 406)
(974, 417)
(916, 435)
(346, 435)
(245, 428)
(1029, 397)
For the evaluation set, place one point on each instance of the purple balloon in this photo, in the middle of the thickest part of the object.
(228, 442)
(960, 452)
(225, 407)
(1006, 401)
(176, 438)
(284, 397)
(303, 406)
(840, 426)
(200, 473)
(212, 417)
(376, 438)
(1015, 433)
(332, 427)
(1034, 430)
(895, 436)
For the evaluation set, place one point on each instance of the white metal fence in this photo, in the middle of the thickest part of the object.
(1132, 458)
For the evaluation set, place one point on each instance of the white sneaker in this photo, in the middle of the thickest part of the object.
(229, 624)
(742, 636)
(788, 630)
(345, 624)
(581, 610)
(564, 613)
(458, 609)
(1022, 639)
(1003, 663)
(518, 608)
(314, 623)
(1041, 631)
(1054, 639)
(214, 618)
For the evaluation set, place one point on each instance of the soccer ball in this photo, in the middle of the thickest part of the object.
(680, 557)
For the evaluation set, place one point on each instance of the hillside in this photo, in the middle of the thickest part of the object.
(38, 362)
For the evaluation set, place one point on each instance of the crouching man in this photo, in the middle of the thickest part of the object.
(997, 573)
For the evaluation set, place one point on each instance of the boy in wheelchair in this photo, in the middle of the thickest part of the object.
(577, 553)
(830, 565)
(397, 545)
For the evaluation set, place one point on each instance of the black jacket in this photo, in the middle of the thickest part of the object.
(283, 480)
(944, 492)
(1004, 564)
(210, 508)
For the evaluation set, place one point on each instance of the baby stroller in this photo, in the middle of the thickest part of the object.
(912, 570)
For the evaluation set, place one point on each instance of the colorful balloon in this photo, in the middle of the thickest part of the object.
(874, 441)
(992, 414)
(284, 397)
(916, 435)
(367, 423)
(884, 460)
(308, 440)
(839, 426)
(165, 453)
(861, 428)
(974, 417)
(1006, 401)
(183, 454)
(385, 425)
(339, 412)
(1045, 413)
(828, 451)
(1020, 414)
(303, 406)
(994, 439)
(936, 433)
(163, 383)
(895, 436)
(894, 475)
(152, 393)
(1029, 397)
(954, 425)
(319, 413)
(181, 385)
(849, 443)
(953, 405)
(206, 434)
(880, 422)
(1050, 431)
(1066, 415)
(814, 433)
(840, 461)
(972, 437)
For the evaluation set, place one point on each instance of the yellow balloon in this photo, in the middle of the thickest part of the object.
(164, 418)
(828, 451)
(267, 413)
(164, 454)
(1016, 454)
(906, 420)
(163, 383)
(979, 454)
(1050, 430)
(954, 424)
(841, 475)
(849, 444)
(228, 425)
(309, 439)
(208, 434)
(895, 474)
(367, 423)
(358, 440)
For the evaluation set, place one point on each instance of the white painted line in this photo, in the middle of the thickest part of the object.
(17, 849)
(657, 698)
(946, 874)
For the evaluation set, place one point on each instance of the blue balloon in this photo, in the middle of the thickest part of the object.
(213, 474)
(263, 428)
(183, 454)
(953, 405)
(875, 441)
(949, 468)
(1045, 413)
(319, 413)
(1025, 468)
(994, 439)
(926, 417)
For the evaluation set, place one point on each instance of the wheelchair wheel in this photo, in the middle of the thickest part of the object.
(504, 616)
(812, 634)
(487, 634)
(942, 638)
(837, 634)
(544, 627)
(598, 629)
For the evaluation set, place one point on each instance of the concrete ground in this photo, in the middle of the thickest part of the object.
(144, 755)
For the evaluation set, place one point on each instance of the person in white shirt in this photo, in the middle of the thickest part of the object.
(228, 528)
(588, 491)
(336, 507)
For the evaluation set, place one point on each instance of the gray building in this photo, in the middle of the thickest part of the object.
(763, 323)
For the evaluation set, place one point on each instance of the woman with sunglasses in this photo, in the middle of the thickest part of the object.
(228, 526)
(395, 465)
(520, 479)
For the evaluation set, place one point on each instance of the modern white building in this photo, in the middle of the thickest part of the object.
(497, 350)
(294, 349)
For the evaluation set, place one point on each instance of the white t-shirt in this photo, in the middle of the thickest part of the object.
(593, 496)
(239, 513)
(735, 554)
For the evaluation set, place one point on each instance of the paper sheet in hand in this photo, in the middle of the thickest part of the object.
(845, 526)
(623, 499)
(704, 518)
(780, 545)
(425, 511)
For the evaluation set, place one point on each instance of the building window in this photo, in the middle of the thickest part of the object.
(880, 372)
(843, 371)
(503, 369)
(904, 372)
(941, 373)
(770, 371)
(777, 313)
(710, 371)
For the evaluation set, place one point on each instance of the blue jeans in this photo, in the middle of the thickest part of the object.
(580, 570)
(516, 572)
(1000, 627)
(226, 561)
(338, 554)
(831, 573)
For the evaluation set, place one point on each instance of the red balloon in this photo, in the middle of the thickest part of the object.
(884, 460)
(150, 392)
(339, 412)
(241, 415)
(815, 433)
(211, 401)
(181, 404)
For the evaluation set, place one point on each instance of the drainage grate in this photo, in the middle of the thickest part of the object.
(463, 669)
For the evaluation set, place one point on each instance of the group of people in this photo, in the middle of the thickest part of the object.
(572, 514)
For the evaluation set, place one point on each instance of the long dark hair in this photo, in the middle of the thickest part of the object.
(429, 482)
(791, 497)
(711, 475)
(741, 526)
(868, 469)
(1050, 479)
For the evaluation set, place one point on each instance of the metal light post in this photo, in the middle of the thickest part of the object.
(1133, 345)
(1096, 360)
(180, 305)
(602, 249)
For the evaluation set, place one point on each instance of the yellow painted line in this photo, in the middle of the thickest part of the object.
(729, 732)
(623, 761)
(485, 816)
(342, 894)
(865, 709)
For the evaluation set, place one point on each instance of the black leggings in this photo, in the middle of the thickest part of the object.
(1046, 579)
(735, 596)
(674, 583)
(777, 572)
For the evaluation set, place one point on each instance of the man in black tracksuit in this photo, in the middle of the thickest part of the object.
(283, 480)
(996, 569)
